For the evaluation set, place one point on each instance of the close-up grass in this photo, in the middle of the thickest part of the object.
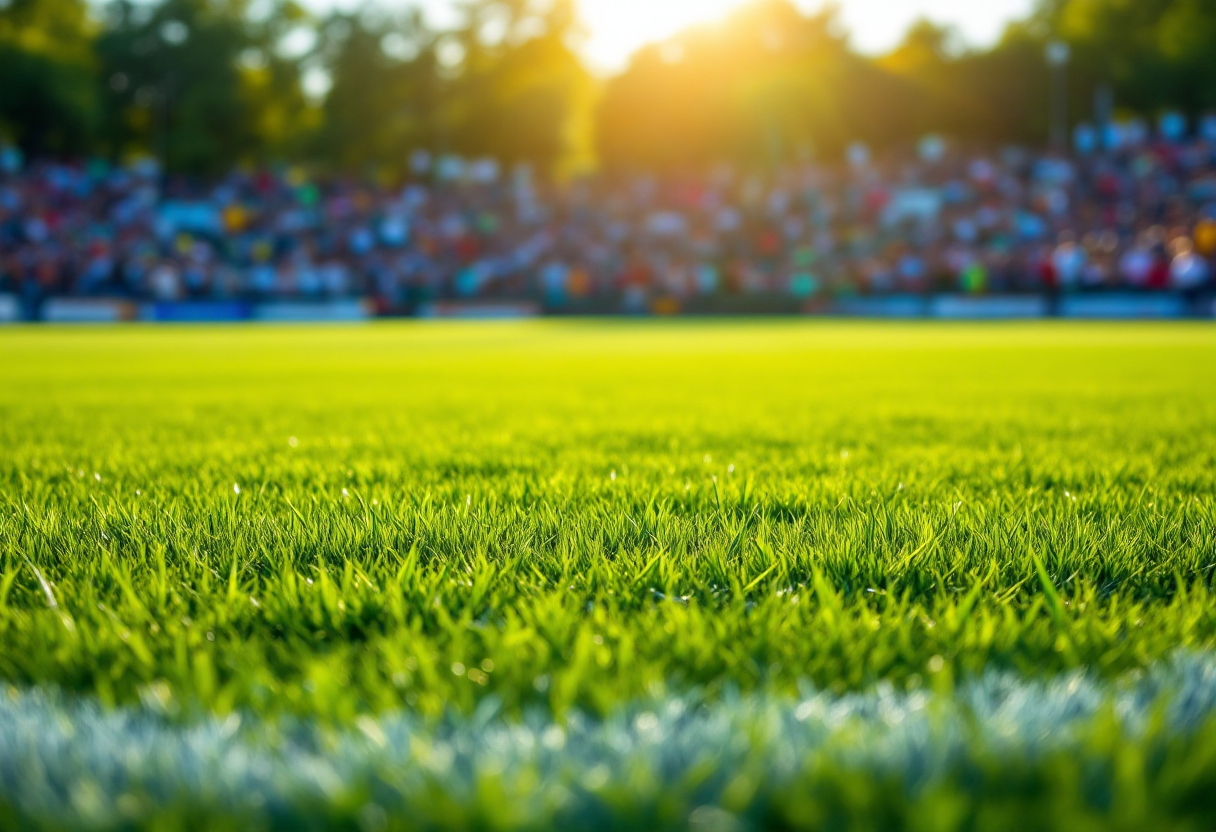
(609, 575)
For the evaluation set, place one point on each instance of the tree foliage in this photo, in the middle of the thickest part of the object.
(48, 99)
(200, 82)
(385, 95)
(206, 84)
(1155, 53)
(504, 83)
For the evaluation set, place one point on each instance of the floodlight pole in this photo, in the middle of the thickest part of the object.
(165, 92)
(1058, 55)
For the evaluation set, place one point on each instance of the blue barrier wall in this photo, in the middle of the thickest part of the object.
(1113, 306)
(197, 311)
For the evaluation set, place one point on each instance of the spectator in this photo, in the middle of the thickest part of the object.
(1188, 271)
(900, 225)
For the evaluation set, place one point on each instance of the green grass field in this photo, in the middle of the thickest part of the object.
(609, 575)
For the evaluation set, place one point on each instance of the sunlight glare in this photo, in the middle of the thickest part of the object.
(616, 28)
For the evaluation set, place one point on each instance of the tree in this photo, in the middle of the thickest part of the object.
(997, 94)
(386, 93)
(767, 86)
(519, 88)
(1155, 53)
(199, 82)
(48, 99)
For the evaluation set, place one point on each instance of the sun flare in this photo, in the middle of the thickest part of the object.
(616, 28)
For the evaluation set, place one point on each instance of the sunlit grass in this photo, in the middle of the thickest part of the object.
(567, 519)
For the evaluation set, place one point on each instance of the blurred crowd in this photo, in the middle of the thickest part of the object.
(937, 219)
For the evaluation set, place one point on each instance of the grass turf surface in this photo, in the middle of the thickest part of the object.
(569, 518)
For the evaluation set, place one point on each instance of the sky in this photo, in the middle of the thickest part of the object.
(616, 28)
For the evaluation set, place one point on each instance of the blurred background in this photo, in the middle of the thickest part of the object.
(229, 159)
